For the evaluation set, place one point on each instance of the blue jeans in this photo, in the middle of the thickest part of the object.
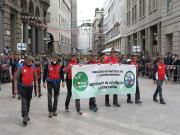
(158, 90)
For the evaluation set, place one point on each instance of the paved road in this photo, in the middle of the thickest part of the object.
(146, 119)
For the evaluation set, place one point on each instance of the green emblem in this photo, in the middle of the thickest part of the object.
(129, 79)
(80, 81)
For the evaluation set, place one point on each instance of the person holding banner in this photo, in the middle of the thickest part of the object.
(92, 101)
(112, 59)
(72, 61)
(137, 95)
(53, 73)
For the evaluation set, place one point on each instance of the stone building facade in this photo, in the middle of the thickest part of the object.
(114, 24)
(63, 25)
(143, 21)
(97, 31)
(24, 21)
(170, 27)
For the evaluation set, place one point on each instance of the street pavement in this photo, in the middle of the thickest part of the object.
(147, 119)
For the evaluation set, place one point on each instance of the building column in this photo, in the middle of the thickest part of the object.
(150, 39)
(146, 38)
(25, 33)
(38, 41)
(176, 43)
(159, 38)
(33, 40)
(1, 30)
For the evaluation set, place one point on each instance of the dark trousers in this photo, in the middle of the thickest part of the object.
(26, 96)
(92, 102)
(69, 94)
(39, 87)
(137, 95)
(158, 90)
(175, 75)
(115, 99)
(53, 87)
(13, 88)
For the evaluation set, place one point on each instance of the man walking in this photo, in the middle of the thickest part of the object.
(160, 69)
(53, 73)
(25, 77)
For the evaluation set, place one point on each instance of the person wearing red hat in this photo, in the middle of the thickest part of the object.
(160, 69)
(112, 59)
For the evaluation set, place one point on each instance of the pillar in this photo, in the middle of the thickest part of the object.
(176, 43)
(150, 41)
(1, 29)
(25, 33)
(146, 45)
(159, 38)
(33, 41)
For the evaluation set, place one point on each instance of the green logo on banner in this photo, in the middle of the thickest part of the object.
(80, 81)
(129, 79)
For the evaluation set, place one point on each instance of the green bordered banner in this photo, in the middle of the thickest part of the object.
(96, 80)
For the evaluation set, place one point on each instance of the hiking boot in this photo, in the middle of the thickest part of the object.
(54, 113)
(50, 114)
(80, 112)
(129, 102)
(155, 100)
(108, 105)
(162, 102)
(117, 105)
(138, 102)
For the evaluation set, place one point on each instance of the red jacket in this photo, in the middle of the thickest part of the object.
(161, 71)
(27, 75)
(69, 70)
(94, 62)
(54, 72)
(111, 59)
(38, 71)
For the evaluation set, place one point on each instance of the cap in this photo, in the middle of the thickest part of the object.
(28, 58)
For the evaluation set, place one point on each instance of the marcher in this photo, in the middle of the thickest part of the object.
(137, 95)
(176, 62)
(72, 61)
(112, 59)
(53, 73)
(25, 78)
(38, 71)
(160, 69)
(12, 70)
(92, 100)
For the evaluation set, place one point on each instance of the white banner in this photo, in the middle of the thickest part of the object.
(94, 80)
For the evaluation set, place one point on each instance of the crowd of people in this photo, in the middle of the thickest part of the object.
(27, 73)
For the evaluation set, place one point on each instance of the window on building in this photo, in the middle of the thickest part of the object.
(152, 5)
(142, 8)
(134, 14)
(169, 6)
(128, 18)
(128, 4)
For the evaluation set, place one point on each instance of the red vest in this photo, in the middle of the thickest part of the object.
(27, 75)
(161, 71)
(38, 71)
(111, 59)
(53, 72)
(70, 64)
